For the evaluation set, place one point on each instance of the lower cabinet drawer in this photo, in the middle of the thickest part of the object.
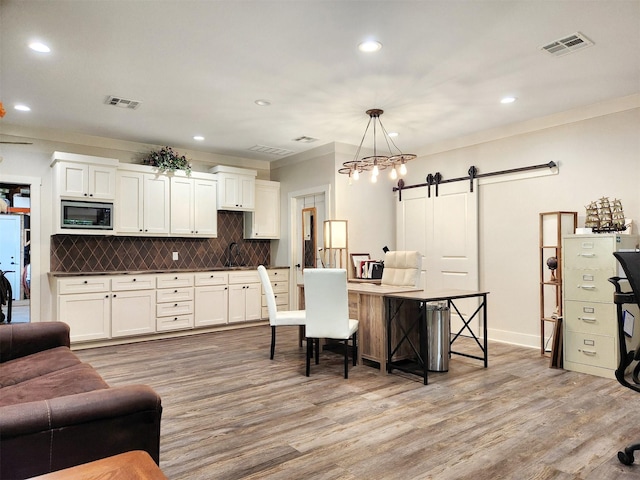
(176, 322)
(174, 295)
(596, 350)
(174, 309)
(280, 308)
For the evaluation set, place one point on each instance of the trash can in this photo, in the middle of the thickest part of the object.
(439, 328)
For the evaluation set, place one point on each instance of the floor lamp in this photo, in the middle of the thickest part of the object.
(335, 242)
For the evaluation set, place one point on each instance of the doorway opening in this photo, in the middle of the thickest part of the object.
(15, 249)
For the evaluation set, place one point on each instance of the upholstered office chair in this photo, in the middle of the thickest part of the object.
(402, 268)
(276, 318)
(628, 371)
(327, 306)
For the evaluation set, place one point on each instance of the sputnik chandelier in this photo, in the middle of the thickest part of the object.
(375, 163)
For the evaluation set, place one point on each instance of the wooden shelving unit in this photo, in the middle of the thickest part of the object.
(553, 225)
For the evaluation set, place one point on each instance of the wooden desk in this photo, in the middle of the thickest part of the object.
(366, 304)
(419, 299)
(136, 465)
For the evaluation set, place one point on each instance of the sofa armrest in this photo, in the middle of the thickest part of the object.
(49, 435)
(22, 339)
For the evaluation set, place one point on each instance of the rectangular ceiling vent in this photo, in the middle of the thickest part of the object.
(566, 45)
(279, 152)
(122, 102)
(305, 139)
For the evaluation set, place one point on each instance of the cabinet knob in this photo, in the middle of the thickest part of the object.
(91, 194)
(140, 229)
(134, 279)
(85, 282)
(114, 295)
(175, 278)
(175, 291)
(175, 318)
(175, 305)
(85, 194)
(106, 296)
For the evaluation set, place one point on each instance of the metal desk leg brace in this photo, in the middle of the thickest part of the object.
(483, 346)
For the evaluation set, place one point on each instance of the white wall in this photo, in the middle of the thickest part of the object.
(598, 156)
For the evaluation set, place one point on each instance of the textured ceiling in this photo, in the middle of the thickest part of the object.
(198, 66)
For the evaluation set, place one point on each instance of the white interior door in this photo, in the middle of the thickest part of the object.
(452, 244)
(10, 246)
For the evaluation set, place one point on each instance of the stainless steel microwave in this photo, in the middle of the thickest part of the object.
(86, 215)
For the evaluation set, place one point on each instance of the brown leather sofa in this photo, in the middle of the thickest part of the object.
(56, 412)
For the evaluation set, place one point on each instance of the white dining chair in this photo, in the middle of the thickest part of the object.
(278, 318)
(327, 306)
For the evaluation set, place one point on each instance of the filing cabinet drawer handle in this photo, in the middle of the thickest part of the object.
(587, 255)
(587, 287)
(587, 319)
(589, 352)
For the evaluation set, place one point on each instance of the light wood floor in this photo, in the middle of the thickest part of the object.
(231, 413)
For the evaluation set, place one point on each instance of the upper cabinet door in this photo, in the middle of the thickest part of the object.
(129, 211)
(264, 221)
(156, 204)
(102, 182)
(79, 180)
(182, 206)
(236, 192)
(205, 214)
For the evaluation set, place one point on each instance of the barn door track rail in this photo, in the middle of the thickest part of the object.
(435, 180)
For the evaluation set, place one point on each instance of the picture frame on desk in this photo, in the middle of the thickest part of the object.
(356, 261)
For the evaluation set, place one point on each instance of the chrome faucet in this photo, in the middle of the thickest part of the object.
(234, 257)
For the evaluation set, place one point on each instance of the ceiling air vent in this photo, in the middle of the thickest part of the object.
(566, 45)
(305, 139)
(279, 152)
(122, 102)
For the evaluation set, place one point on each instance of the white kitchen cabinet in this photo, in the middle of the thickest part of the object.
(193, 207)
(133, 312)
(174, 302)
(85, 177)
(143, 203)
(211, 298)
(264, 221)
(590, 319)
(236, 188)
(245, 296)
(84, 303)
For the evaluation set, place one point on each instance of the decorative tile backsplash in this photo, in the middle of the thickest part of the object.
(99, 253)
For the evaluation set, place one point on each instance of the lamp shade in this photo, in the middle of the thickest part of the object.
(335, 234)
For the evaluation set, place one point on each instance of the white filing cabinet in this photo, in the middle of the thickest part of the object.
(590, 321)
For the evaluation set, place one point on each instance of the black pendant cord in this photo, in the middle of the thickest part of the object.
(436, 179)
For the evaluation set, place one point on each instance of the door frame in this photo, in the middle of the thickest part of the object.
(294, 198)
(35, 184)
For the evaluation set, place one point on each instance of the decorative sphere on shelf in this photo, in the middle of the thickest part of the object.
(552, 263)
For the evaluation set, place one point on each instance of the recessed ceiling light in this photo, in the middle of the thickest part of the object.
(263, 103)
(199, 138)
(370, 46)
(508, 100)
(393, 134)
(22, 108)
(39, 47)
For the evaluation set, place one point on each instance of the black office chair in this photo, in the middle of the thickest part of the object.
(628, 371)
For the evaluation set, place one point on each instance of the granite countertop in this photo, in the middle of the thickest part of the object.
(169, 270)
